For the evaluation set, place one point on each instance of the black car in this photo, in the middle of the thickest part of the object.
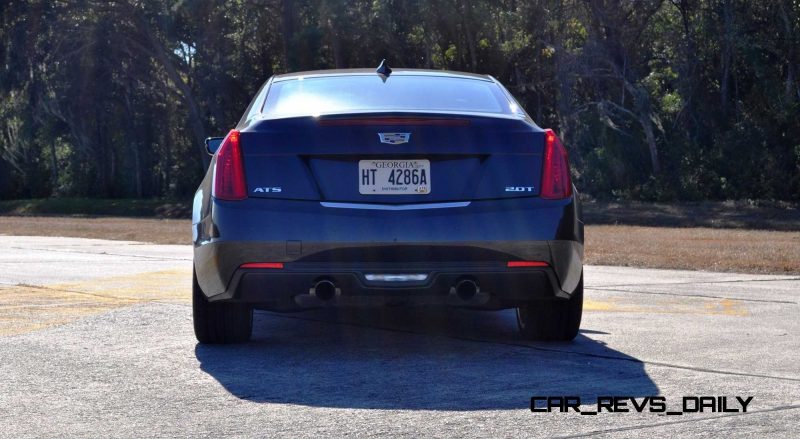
(357, 188)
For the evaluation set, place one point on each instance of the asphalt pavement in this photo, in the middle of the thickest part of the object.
(96, 340)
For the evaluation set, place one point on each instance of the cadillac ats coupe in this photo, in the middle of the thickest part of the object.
(357, 188)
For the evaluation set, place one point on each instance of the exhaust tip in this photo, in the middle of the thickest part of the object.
(324, 290)
(466, 289)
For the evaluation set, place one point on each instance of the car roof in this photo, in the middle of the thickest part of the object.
(395, 72)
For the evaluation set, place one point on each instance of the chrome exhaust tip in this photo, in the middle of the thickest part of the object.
(324, 290)
(466, 289)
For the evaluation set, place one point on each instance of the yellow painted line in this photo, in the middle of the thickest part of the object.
(657, 305)
(598, 305)
(167, 285)
(728, 307)
(26, 308)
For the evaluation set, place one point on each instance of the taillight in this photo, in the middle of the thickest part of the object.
(397, 121)
(272, 265)
(229, 182)
(556, 183)
(526, 264)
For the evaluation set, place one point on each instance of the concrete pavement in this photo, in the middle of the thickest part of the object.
(96, 340)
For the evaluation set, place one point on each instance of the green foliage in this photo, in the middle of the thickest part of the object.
(655, 99)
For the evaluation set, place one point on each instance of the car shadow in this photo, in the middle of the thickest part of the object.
(414, 359)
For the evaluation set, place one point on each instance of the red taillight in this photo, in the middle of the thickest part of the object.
(229, 182)
(556, 183)
(397, 121)
(519, 264)
(274, 265)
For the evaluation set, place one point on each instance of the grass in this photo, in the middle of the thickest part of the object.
(159, 231)
(714, 214)
(746, 251)
(723, 236)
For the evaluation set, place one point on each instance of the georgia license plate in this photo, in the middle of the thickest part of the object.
(394, 177)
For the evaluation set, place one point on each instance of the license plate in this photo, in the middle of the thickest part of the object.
(394, 177)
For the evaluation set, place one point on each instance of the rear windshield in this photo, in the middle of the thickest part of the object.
(343, 94)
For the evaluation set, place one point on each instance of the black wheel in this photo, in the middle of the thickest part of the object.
(216, 323)
(552, 320)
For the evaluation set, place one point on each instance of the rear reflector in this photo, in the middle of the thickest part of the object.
(229, 181)
(556, 183)
(518, 264)
(274, 265)
(396, 121)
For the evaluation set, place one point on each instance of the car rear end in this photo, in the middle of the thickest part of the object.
(445, 195)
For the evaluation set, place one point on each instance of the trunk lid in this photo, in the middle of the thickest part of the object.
(468, 157)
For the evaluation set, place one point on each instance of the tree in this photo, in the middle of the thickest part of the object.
(655, 99)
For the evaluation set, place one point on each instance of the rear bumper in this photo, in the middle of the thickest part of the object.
(291, 288)
(344, 245)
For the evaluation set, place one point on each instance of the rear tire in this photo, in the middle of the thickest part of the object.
(220, 322)
(552, 320)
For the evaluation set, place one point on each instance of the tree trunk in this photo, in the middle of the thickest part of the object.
(790, 92)
(287, 26)
(138, 174)
(647, 126)
(336, 45)
(54, 166)
(156, 50)
(644, 114)
(688, 70)
(195, 119)
(473, 56)
(428, 52)
(726, 57)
